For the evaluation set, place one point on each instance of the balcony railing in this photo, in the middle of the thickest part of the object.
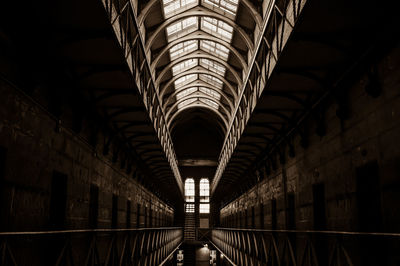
(147, 246)
(307, 248)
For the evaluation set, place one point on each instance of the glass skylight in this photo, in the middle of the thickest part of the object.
(213, 66)
(211, 80)
(173, 7)
(217, 28)
(186, 102)
(209, 102)
(210, 92)
(215, 49)
(185, 80)
(179, 68)
(182, 27)
(186, 92)
(227, 6)
(183, 48)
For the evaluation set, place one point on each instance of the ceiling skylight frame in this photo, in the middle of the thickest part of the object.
(214, 48)
(174, 7)
(216, 27)
(184, 65)
(226, 7)
(183, 48)
(182, 27)
(211, 80)
(212, 66)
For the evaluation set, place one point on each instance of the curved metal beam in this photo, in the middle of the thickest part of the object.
(199, 11)
(199, 35)
(198, 54)
(188, 97)
(246, 3)
(198, 106)
(188, 72)
(203, 84)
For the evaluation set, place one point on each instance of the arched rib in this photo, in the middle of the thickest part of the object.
(199, 35)
(199, 54)
(198, 106)
(199, 11)
(231, 89)
(203, 84)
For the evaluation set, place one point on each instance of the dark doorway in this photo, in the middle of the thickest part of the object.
(253, 220)
(291, 207)
(321, 245)
(58, 200)
(369, 197)
(128, 214)
(114, 213)
(93, 206)
(138, 216)
(319, 206)
(3, 213)
(262, 216)
(273, 215)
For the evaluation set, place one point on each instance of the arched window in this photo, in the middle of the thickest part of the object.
(204, 195)
(189, 195)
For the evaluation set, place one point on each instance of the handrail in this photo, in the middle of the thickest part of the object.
(85, 231)
(311, 232)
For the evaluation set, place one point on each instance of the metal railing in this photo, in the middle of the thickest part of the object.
(147, 246)
(307, 248)
(278, 26)
(123, 20)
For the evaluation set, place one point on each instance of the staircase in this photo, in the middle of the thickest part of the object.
(190, 226)
(190, 255)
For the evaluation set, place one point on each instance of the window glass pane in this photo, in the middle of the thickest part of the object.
(217, 28)
(185, 80)
(210, 92)
(186, 92)
(185, 65)
(182, 28)
(213, 66)
(186, 102)
(209, 103)
(189, 208)
(173, 7)
(183, 48)
(211, 80)
(214, 49)
(204, 208)
(227, 6)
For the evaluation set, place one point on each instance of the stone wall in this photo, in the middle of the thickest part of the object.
(35, 151)
(337, 166)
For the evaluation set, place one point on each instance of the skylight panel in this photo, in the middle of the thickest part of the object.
(173, 7)
(213, 66)
(217, 28)
(186, 92)
(179, 68)
(185, 80)
(209, 102)
(186, 102)
(215, 49)
(182, 27)
(211, 80)
(227, 6)
(183, 48)
(211, 93)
